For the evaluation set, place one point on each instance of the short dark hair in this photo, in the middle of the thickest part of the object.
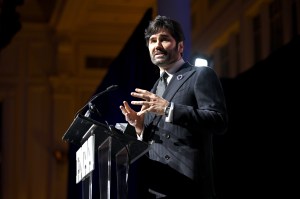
(161, 22)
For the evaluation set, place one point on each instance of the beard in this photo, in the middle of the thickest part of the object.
(165, 58)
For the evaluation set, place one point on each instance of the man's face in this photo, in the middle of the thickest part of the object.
(163, 49)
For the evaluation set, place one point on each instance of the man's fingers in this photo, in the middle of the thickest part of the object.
(125, 104)
(123, 110)
(140, 103)
(127, 107)
(141, 96)
(138, 90)
(142, 112)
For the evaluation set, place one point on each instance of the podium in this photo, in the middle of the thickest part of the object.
(109, 145)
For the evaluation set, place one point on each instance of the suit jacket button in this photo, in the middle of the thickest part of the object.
(150, 142)
(167, 157)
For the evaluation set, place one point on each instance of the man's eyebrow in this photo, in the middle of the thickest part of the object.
(163, 36)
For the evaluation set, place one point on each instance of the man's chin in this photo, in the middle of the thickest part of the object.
(159, 63)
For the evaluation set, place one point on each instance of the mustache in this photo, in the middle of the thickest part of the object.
(160, 52)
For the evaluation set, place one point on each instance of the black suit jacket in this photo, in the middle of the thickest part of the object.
(185, 144)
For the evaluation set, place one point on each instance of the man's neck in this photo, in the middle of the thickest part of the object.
(172, 68)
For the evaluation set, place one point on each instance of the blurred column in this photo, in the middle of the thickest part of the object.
(178, 10)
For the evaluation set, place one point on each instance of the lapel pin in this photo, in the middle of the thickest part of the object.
(179, 77)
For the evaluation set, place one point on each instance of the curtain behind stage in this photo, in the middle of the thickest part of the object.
(255, 158)
(131, 69)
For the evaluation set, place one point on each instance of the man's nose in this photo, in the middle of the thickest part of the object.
(158, 44)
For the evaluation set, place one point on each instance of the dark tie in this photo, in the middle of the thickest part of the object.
(162, 84)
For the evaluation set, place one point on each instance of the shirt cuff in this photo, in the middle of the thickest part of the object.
(140, 137)
(169, 118)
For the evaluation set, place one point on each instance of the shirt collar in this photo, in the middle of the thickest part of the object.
(174, 68)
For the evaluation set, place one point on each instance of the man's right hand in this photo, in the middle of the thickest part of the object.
(131, 116)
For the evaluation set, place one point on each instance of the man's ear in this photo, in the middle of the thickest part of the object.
(180, 47)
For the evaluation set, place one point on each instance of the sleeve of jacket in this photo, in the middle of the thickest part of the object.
(209, 112)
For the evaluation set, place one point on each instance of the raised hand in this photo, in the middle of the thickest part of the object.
(150, 103)
(131, 116)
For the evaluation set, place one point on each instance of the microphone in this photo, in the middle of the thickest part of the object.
(89, 103)
(108, 89)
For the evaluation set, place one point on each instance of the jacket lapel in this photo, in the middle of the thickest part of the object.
(184, 72)
(177, 80)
